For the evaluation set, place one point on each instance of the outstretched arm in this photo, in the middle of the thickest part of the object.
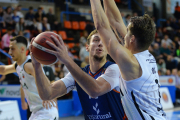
(92, 87)
(46, 90)
(115, 19)
(6, 69)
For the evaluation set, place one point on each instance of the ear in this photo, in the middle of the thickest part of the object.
(87, 47)
(23, 49)
(132, 39)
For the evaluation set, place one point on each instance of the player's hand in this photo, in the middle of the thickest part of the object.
(60, 50)
(34, 61)
(24, 105)
(49, 104)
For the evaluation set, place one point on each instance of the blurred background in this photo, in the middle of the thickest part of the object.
(72, 20)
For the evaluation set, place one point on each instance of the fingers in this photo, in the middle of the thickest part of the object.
(55, 40)
(32, 39)
(51, 45)
(61, 40)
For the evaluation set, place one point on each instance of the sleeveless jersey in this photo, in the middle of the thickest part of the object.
(141, 97)
(107, 106)
(29, 87)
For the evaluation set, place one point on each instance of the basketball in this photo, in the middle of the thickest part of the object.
(39, 46)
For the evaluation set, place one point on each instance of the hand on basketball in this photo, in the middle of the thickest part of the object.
(24, 105)
(34, 61)
(60, 50)
(49, 104)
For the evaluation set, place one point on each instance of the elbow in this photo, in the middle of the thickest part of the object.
(45, 98)
(94, 93)
(100, 25)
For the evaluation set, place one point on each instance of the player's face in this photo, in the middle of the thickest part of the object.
(96, 47)
(14, 51)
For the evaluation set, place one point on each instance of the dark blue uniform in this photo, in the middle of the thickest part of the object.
(107, 106)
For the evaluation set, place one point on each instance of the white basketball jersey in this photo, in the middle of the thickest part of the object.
(140, 97)
(29, 86)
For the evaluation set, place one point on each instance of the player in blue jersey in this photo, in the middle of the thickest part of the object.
(97, 86)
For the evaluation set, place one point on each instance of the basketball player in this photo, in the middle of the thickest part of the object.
(139, 81)
(99, 98)
(24, 68)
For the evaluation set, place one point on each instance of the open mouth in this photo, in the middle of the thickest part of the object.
(99, 50)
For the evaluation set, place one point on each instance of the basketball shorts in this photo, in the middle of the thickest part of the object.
(45, 114)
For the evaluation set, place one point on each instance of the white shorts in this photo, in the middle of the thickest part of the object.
(45, 114)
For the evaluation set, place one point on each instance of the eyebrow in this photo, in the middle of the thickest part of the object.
(96, 36)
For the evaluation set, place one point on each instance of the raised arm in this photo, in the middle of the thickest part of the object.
(115, 19)
(108, 37)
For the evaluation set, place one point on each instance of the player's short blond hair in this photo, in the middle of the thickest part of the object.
(90, 35)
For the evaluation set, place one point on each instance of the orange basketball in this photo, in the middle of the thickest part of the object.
(39, 46)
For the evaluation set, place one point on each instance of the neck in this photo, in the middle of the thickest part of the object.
(21, 60)
(96, 65)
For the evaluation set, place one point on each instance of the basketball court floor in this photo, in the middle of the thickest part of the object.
(172, 114)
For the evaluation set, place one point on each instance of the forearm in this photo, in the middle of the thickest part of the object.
(112, 11)
(86, 82)
(100, 19)
(2, 70)
(22, 95)
(115, 19)
(42, 83)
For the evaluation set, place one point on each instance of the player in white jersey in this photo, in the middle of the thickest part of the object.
(24, 68)
(139, 83)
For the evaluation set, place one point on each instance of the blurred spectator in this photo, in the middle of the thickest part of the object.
(157, 51)
(5, 42)
(171, 63)
(127, 19)
(177, 11)
(165, 51)
(2, 23)
(89, 27)
(20, 26)
(166, 40)
(83, 53)
(30, 14)
(29, 17)
(8, 17)
(174, 24)
(168, 72)
(39, 15)
(15, 17)
(44, 26)
(83, 39)
(176, 74)
(161, 66)
(158, 41)
(176, 42)
(159, 33)
(19, 13)
(151, 51)
(51, 19)
(135, 14)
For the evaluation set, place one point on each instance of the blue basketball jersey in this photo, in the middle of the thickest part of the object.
(107, 106)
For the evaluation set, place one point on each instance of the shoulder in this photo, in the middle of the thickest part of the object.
(86, 68)
(28, 67)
